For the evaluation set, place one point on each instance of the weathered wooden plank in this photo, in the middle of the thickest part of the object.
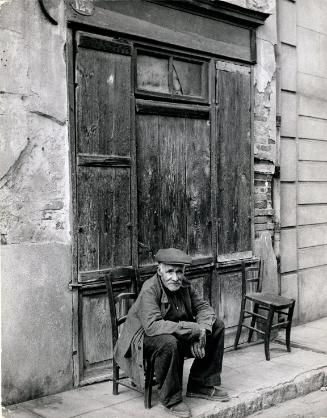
(173, 222)
(234, 157)
(312, 171)
(313, 235)
(89, 160)
(198, 192)
(309, 193)
(103, 102)
(311, 150)
(149, 188)
(312, 256)
(151, 107)
(87, 218)
(312, 214)
(114, 217)
(96, 330)
(102, 43)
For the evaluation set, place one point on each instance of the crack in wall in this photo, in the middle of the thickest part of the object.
(45, 115)
(8, 178)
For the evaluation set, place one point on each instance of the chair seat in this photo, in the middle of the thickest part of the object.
(268, 299)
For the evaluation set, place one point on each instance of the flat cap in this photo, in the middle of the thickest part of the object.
(172, 256)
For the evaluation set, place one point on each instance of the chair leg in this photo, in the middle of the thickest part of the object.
(288, 328)
(253, 321)
(115, 377)
(267, 332)
(148, 383)
(240, 323)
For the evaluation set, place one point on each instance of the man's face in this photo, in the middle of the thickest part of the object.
(171, 276)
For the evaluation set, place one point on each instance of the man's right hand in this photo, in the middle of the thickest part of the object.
(197, 349)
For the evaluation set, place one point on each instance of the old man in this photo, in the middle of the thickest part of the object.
(169, 321)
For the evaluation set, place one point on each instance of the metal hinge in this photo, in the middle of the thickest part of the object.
(278, 121)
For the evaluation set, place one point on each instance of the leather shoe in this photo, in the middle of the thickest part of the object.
(210, 393)
(180, 409)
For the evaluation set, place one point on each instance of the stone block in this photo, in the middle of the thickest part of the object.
(308, 51)
(288, 250)
(311, 150)
(310, 193)
(312, 214)
(289, 289)
(310, 106)
(312, 290)
(323, 55)
(37, 332)
(312, 256)
(312, 171)
(289, 114)
(265, 152)
(312, 128)
(287, 21)
(288, 67)
(312, 235)
(312, 86)
(268, 30)
(288, 161)
(312, 15)
(288, 204)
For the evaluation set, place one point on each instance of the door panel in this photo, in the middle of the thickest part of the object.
(174, 204)
(103, 101)
(103, 189)
(233, 84)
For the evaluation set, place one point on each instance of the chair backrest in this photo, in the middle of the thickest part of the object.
(122, 290)
(258, 270)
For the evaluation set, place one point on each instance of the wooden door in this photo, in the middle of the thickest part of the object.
(174, 185)
(234, 177)
(103, 189)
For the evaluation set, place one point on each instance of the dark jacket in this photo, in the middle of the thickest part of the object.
(147, 316)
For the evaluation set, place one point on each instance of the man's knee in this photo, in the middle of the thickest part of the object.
(169, 345)
(220, 324)
(218, 327)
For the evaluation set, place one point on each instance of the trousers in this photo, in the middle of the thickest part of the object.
(168, 352)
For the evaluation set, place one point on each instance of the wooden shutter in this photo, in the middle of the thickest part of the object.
(103, 91)
(233, 93)
(174, 195)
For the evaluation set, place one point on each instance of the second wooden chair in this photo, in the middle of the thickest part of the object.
(267, 302)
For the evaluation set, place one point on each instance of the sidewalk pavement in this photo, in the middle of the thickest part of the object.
(253, 383)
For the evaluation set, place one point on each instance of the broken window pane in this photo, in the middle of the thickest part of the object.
(187, 78)
(152, 73)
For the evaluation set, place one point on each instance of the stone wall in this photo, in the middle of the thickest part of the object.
(34, 204)
(303, 46)
(266, 136)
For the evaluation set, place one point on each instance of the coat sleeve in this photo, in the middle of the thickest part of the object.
(204, 314)
(153, 322)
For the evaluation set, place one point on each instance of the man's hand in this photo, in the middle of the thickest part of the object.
(198, 346)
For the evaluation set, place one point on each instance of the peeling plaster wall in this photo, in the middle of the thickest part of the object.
(34, 204)
(266, 137)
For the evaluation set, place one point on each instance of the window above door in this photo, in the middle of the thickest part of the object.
(172, 77)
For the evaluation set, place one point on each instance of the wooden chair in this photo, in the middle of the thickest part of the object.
(122, 290)
(267, 302)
